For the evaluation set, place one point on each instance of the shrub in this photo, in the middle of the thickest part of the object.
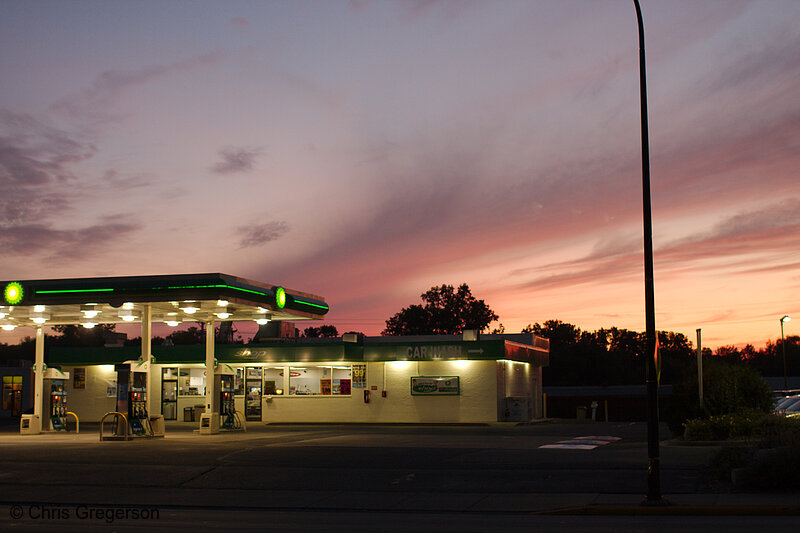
(727, 388)
(745, 424)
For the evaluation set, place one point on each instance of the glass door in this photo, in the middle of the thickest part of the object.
(12, 394)
(253, 388)
(169, 393)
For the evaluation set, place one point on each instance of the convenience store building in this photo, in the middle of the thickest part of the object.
(425, 379)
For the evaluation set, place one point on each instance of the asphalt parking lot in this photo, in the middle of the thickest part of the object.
(469, 475)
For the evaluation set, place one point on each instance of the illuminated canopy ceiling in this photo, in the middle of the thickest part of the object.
(175, 298)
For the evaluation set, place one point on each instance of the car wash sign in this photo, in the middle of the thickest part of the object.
(433, 351)
(435, 386)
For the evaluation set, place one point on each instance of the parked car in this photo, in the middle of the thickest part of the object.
(790, 404)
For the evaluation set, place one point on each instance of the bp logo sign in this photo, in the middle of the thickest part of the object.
(280, 297)
(13, 293)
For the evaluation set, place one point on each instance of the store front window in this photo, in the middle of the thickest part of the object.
(273, 381)
(192, 382)
(320, 380)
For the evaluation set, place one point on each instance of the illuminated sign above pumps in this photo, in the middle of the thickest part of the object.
(13, 293)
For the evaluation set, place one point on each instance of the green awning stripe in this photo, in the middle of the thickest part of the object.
(61, 291)
(297, 300)
(176, 287)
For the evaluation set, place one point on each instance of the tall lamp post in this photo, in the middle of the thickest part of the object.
(784, 318)
(653, 459)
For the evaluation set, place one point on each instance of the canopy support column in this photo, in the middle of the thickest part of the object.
(146, 356)
(209, 421)
(38, 383)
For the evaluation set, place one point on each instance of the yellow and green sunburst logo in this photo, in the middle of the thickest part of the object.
(280, 297)
(13, 293)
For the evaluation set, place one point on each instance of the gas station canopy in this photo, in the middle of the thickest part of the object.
(170, 298)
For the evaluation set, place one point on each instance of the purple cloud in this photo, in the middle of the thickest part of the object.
(262, 233)
(236, 160)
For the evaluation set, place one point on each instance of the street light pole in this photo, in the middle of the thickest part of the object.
(653, 458)
(784, 318)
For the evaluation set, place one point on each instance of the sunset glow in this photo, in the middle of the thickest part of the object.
(368, 150)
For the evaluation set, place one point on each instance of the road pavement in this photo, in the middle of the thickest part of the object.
(390, 477)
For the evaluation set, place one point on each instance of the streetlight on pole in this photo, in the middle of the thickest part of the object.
(651, 380)
(784, 318)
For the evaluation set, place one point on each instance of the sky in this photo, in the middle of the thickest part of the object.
(366, 151)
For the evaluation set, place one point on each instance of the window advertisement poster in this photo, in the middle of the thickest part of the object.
(359, 377)
(435, 386)
(79, 378)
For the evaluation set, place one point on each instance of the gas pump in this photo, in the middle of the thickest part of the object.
(224, 403)
(132, 395)
(54, 410)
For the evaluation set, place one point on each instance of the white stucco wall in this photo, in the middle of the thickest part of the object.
(91, 403)
(474, 404)
(515, 380)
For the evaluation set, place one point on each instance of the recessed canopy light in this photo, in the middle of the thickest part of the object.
(127, 305)
(38, 308)
(39, 319)
(90, 310)
(222, 303)
(128, 318)
(8, 327)
(223, 315)
(190, 307)
(171, 323)
(262, 321)
(88, 325)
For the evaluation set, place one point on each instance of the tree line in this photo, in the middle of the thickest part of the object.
(612, 356)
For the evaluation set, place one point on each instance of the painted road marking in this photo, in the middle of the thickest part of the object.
(582, 443)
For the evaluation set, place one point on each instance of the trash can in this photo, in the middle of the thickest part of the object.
(157, 425)
(188, 414)
(198, 411)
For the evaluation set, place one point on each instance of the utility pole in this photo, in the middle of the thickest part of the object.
(700, 368)
(653, 455)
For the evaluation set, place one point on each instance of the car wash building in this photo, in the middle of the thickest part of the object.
(427, 379)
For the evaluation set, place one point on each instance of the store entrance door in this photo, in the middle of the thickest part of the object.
(169, 400)
(12, 395)
(253, 386)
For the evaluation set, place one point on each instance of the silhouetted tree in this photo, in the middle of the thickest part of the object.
(325, 330)
(192, 335)
(75, 335)
(446, 311)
